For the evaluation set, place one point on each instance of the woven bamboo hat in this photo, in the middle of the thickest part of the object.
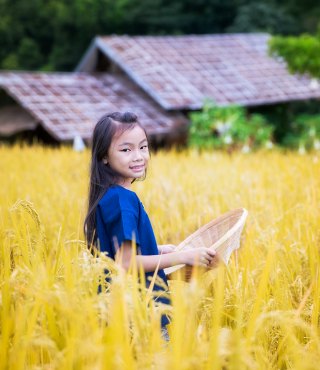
(221, 234)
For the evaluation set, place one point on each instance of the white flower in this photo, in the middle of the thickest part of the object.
(219, 127)
(316, 144)
(223, 127)
(302, 150)
(227, 139)
(245, 149)
(269, 144)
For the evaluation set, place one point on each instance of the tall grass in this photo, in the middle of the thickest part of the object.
(261, 312)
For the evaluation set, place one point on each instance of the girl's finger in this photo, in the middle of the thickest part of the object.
(203, 259)
(205, 256)
(210, 256)
(212, 252)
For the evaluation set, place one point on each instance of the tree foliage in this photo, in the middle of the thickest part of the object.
(53, 34)
(301, 53)
(255, 17)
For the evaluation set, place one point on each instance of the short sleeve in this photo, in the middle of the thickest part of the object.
(120, 217)
(123, 227)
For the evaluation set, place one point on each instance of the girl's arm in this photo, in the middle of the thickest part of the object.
(166, 248)
(198, 256)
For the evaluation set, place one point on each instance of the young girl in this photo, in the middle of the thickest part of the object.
(115, 215)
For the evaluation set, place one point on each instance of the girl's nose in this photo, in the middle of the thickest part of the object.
(137, 156)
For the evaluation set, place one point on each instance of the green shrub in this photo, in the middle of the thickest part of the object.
(304, 132)
(228, 128)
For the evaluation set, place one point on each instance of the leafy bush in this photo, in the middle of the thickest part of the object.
(228, 127)
(304, 132)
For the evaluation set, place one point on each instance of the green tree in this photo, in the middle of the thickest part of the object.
(174, 16)
(56, 32)
(264, 17)
(301, 53)
(53, 34)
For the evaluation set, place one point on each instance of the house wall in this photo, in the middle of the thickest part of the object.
(16, 124)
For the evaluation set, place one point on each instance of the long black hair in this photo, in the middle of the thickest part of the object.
(102, 176)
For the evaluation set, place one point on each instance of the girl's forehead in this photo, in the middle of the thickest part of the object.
(135, 134)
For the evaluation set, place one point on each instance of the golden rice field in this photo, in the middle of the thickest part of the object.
(260, 312)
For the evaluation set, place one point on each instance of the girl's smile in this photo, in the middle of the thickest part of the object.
(138, 168)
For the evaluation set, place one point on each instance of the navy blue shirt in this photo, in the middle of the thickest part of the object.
(121, 216)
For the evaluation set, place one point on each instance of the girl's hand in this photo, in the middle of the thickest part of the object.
(167, 248)
(199, 257)
(215, 261)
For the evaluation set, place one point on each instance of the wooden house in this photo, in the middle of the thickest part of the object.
(161, 78)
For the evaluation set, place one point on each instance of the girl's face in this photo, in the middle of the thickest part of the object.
(129, 155)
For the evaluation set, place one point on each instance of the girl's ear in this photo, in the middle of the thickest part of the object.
(104, 160)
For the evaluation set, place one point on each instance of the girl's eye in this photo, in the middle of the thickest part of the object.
(144, 147)
(125, 150)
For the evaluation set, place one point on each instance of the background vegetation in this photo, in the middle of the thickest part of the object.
(229, 127)
(233, 128)
(301, 53)
(53, 34)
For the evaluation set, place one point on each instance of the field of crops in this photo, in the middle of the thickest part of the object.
(260, 312)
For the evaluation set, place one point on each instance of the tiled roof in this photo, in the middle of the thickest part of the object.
(179, 72)
(69, 104)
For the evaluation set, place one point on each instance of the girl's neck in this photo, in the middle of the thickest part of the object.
(126, 183)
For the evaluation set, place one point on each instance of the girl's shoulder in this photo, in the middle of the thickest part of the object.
(119, 197)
